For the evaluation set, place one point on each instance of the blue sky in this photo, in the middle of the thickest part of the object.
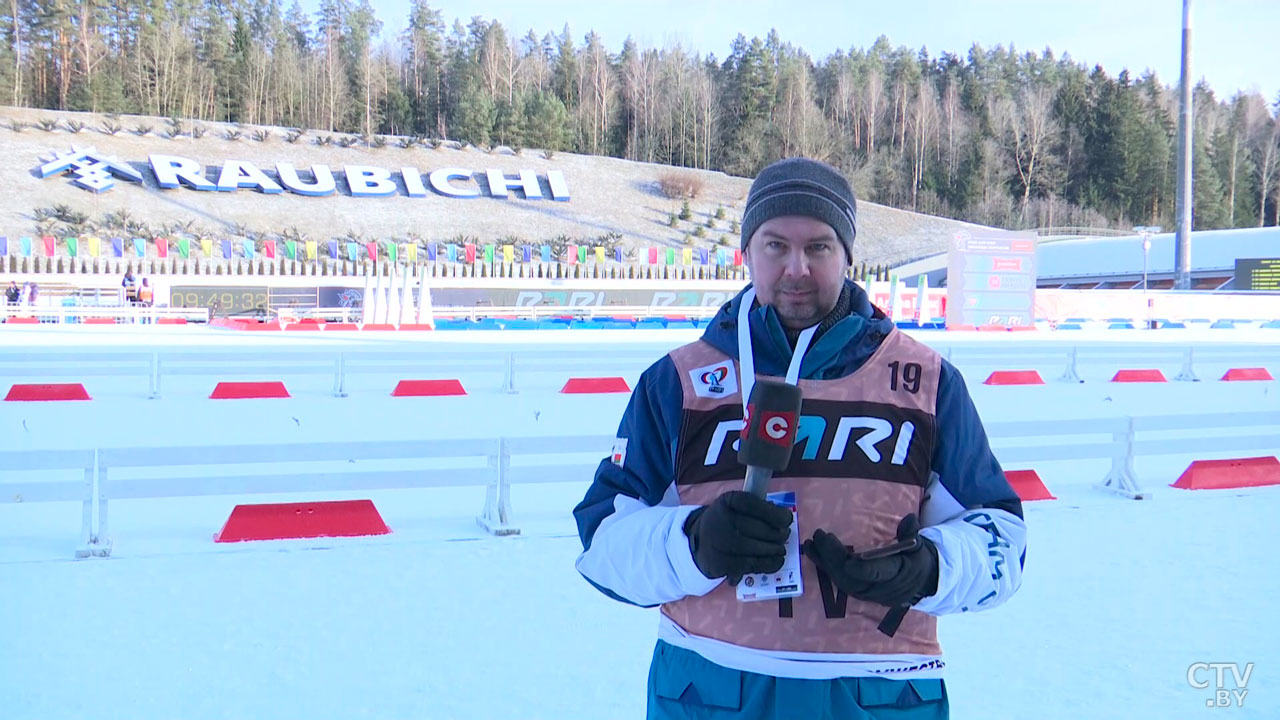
(1235, 43)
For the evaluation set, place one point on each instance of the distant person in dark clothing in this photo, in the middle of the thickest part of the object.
(130, 286)
(12, 293)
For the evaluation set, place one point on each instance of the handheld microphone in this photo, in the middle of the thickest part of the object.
(768, 432)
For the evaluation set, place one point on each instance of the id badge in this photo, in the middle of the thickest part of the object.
(787, 581)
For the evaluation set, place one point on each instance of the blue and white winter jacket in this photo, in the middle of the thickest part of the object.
(631, 520)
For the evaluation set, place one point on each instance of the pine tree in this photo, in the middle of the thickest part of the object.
(361, 26)
(508, 119)
(545, 122)
(1209, 207)
(565, 71)
(748, 105)
(237, 78)
(424, 56)
(335, 88)
(474, 116)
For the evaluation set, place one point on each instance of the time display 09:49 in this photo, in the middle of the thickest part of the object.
(225, 299)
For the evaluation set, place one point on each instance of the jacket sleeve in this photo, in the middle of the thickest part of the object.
(970, 512)
(631, 522)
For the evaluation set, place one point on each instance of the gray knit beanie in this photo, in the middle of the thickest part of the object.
(799, 186)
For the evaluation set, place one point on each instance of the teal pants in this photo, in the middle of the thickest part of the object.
(685, 686)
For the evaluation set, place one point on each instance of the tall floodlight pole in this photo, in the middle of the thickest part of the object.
(1182, 253)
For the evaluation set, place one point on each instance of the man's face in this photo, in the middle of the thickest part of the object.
(797, 265)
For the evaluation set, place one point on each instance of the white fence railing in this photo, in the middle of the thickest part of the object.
(340, 365)
(522, 312)
(80, 488)
(1115, 357)
(119, 313)
(448, 362)
(497, 463)
(1181, 434)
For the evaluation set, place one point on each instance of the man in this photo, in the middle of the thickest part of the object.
(889, 441)
(130, 286)
(12, 293)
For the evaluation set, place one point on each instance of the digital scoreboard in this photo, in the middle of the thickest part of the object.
(1258, 274)
(991, 278)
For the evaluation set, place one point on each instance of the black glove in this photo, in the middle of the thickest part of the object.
(737, 534)
(900, 579)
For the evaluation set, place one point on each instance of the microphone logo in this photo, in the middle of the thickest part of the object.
(778, 427)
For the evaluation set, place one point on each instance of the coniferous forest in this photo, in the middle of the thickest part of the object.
(997, 136)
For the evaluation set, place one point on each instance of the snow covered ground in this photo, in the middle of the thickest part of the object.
(440, 620)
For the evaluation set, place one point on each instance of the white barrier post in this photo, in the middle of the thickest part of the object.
(1069, 375)
(406, 298)
(508, 382)
(340, 376)
(155, 377)
(393, 299)
(1188, 372)
(380, 301)
(495, 518)
(425, 314)
(102, 541)
(86, 521)
(367, 301)
(1121, 479)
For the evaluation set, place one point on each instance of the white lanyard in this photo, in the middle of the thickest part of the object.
(746, 359)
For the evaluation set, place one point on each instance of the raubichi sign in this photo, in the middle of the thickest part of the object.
(96, 172)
